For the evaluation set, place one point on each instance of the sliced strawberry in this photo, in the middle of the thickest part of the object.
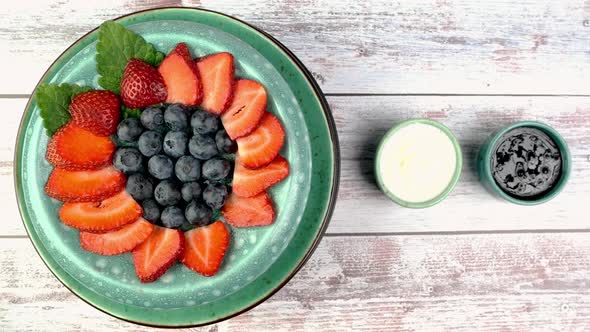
(251, 182)
(142, 85)
(248, 212)
(103, 216)
(84, 186)
(158, 253)
(217, 76)
(181, 76)
(246, 109)
(118, 241)
(75, 148)
(263, 144)
(97, 111)
(205, 248)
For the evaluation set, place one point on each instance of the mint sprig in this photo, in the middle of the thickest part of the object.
(54, 101)
(130, 112)
(116, 46)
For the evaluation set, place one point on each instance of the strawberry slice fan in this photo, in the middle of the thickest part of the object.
(158, 187)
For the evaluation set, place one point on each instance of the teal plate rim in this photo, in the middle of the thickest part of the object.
(316, 216)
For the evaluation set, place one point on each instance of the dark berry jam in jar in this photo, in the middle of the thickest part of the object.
(526, 163)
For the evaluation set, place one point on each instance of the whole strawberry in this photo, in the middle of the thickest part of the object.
(142, 85)
(97, 111)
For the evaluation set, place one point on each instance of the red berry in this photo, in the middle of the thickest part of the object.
(84, 186)
(102, 216)
(158, 253)
(142, 85)
(205, 248)
(251, 182)
(246, 109)
(118, 241)
(217, 76)
(75, 148)
(181, 76)
(249, 212)
(97, 111)
(261, 146)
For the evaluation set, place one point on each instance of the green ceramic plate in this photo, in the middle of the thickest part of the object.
(259, 260)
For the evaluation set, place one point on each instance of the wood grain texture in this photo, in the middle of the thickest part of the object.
(507, 282)
(517, 282)
(426, 46)
(361, 121)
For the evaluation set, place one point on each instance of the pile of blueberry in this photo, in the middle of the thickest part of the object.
(174, 159)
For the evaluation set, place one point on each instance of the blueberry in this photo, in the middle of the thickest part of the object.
(214, 195)
(202, 147)
(128, 160)
(175, 143)
(190, 191)
(160, 167)
(152, 118)
(198, 214)
(167, 193)
(224, 143)
(216, 169)
(151, 210)
(129, 130)
(187, 169)
(172, 217)
(139, 186)
(176, 117)
(150, 143)
(204, 123)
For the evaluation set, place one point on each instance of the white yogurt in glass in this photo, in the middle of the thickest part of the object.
(418, 162)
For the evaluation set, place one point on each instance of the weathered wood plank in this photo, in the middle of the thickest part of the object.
(12, 110)
(361, 121)
(462, 46)
(517, 282)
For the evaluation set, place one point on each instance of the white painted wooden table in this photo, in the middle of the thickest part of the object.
(471, 263)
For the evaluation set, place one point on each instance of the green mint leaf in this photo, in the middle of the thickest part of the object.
(130, 112)
(54, 100)
(123, 144)
(227, 181)
(186, 227)
(216, 214)
(116, 46)
(229, 156)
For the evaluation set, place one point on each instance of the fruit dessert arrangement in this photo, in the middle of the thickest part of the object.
(145, 165)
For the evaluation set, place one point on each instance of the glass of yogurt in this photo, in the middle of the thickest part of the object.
(418, 163)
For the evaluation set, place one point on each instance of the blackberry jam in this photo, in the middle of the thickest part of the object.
(526, 163)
